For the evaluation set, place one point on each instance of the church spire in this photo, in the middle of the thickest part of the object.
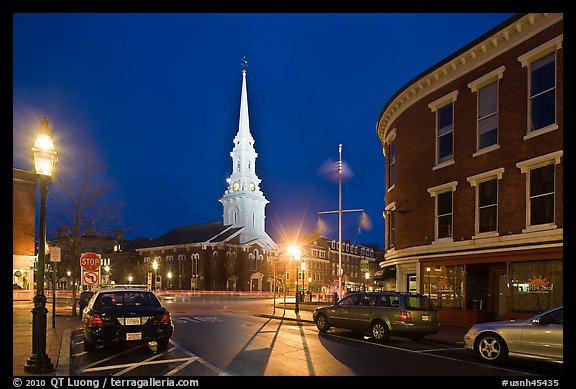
(243, 201)
(244, 122)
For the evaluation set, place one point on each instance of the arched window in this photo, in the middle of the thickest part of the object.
(195, 257)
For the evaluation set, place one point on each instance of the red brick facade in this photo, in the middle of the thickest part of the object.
(409, 122)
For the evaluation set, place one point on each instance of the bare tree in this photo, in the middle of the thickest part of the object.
(83, 209)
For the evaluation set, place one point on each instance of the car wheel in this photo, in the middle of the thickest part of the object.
(380, 331)
(89, 346)
(492, 348)
(322, 322)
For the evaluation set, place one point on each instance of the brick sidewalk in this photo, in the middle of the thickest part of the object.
(57, 340)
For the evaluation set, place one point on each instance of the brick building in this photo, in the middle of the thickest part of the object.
(474, 175)
(320, 256)
(23, 229)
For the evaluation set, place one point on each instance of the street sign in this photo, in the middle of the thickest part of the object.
(90, 261)
(279, 281)
(55, 254)
(90, 278)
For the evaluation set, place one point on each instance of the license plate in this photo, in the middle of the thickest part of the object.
(425, 318)
(132, 321)
(134, 336)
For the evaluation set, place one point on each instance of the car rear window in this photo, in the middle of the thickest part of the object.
(119, 299)
(418, 303)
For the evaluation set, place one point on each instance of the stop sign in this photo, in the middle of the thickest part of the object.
(90, 261)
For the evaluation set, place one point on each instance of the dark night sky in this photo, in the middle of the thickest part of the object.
(156, 97)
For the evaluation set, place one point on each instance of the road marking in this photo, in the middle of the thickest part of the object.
(124, 365)
(202, 361)
(185, 319)
(138, 364)
(182, 366)
(432, 355)
(112, 356)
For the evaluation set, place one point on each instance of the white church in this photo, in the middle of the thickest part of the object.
(234, 254)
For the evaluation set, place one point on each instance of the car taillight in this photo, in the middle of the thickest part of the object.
(405, 316)
(95, 321)
(166, 318)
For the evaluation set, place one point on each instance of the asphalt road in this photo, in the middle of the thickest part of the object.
(219, 336)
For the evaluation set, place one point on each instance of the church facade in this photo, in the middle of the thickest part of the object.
(235, 254)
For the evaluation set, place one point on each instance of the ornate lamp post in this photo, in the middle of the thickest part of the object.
(295, 251)
(45, 157)
(155, 267)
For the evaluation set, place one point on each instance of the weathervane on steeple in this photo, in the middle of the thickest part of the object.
(244, 64)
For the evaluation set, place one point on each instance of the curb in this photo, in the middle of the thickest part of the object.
(63, 363)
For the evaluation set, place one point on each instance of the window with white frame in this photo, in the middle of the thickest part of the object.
(443, 201)
(541, 195)
(390, 211)
(445, 133)
(488, 206)
(444, 215)
(486, 215)
(543, 92)
(391, 158)
(391, 230)
(540, 190)
(392, 164)
(444, 108)
(541, 64)
(488, 115)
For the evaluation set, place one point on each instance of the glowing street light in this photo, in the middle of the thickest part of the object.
(45, 158)
(155, 267)
(295, 252)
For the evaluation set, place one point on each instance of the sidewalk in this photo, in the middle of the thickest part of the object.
(58, 339)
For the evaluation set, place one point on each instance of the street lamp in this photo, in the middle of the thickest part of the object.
(295, 251)
(429, 281)
(129, 279)
(169, 279)
(367, 276)
(155, 267)
(45, 158)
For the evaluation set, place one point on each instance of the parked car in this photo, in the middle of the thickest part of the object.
(381, 314)
(539, 337)
(126, 315)
(83, 300)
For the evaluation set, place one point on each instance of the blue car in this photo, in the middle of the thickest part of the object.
(127, 315)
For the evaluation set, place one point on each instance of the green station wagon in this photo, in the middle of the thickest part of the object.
(381, 314)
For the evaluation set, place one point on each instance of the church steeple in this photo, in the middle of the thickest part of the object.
(244, 122)
(243, 200)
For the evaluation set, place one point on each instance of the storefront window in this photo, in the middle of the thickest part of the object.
(444, 285)
(535, 286)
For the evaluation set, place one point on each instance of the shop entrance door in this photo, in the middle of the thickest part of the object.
(500, 284)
